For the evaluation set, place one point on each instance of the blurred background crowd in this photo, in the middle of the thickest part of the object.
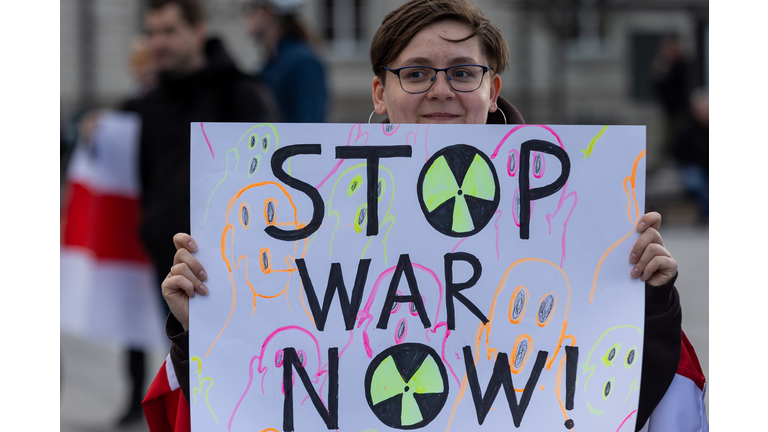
(572, 62)
(598, 62)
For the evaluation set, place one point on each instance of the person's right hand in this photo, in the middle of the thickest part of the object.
(184, 279)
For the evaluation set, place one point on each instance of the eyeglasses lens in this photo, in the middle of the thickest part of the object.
(461, 78)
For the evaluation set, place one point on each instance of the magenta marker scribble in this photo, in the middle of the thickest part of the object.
(445, 342)
(365, 317)
(390, 133)
(365, 314)
(349, 342)
(263, 369)
(563, 195)
(415, 135)
(250, 379)
(496, 225)
(549, 217)
(338, 164)
(457, 244)
(513, 156)
(625, 420)
(206, 140)
(516, 128)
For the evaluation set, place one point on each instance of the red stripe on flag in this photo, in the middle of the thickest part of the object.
(689, 366)
(165, 410)
(106, 225)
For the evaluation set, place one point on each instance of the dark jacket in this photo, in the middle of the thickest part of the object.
(217, 93)
(511, 113)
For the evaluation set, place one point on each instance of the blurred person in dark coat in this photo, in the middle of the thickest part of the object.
(197, 82)
(691, 150)
(293, 71)
(670, 72)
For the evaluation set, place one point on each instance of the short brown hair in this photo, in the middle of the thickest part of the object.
(191, 11)
(401, 25)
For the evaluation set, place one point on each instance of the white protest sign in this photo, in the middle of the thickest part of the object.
(432, 277)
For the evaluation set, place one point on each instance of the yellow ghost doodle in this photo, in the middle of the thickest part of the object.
(199, 389)
(604, 387)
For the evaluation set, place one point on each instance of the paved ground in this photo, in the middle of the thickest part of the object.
(93, 389)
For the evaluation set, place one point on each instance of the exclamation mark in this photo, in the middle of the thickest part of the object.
(571, 367)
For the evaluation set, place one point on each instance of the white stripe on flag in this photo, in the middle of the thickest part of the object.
(110, 301)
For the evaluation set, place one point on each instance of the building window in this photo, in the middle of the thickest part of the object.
(342, 25)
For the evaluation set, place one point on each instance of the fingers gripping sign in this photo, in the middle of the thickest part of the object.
(185, 277)
(653, 262)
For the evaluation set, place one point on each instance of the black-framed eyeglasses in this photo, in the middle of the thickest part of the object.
(419, 79)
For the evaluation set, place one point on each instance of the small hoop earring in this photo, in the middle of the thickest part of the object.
(371, 116)
(502, 114)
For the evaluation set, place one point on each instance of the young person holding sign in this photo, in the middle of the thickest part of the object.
(438, 61)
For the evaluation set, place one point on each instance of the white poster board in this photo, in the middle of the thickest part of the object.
(456, 302)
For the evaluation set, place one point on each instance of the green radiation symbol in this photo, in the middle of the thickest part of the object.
(458, 190)
(406, 386)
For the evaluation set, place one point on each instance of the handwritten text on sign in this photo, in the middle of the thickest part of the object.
(381, 277)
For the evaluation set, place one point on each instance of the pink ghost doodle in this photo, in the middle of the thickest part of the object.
(528, 325)
(421, 321)
(553, 212)
(266, 386)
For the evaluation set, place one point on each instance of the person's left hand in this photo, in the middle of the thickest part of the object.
(653, 262)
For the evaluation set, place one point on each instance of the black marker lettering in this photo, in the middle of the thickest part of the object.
(335, 283)
(452, 289)
(372, 154)
(331, 415)
(501, 377)
(403, 266)
(278, 158)
(571, 367)
(526, 193)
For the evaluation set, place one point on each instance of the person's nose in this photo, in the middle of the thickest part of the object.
(441, 87)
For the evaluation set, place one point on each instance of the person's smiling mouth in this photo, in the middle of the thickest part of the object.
(441, 116)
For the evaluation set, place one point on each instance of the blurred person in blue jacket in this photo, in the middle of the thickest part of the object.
(293, 71)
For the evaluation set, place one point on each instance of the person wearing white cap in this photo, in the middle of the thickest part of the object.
(293, 71)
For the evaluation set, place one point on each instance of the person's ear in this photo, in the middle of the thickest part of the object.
(377, 92)
(495, 90)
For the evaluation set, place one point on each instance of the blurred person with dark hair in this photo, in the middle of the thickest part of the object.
(293, 71)
(670, 72)
(198, 82)
(691, 150)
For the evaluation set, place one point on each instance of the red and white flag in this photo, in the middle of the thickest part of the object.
(165, 408)
(108, 290)
(682, 408)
